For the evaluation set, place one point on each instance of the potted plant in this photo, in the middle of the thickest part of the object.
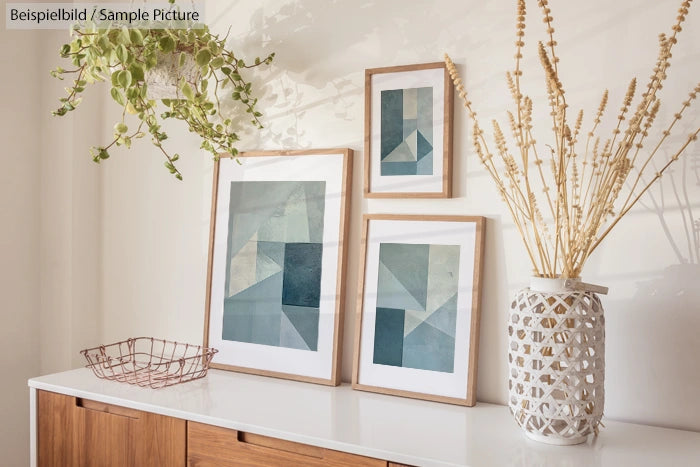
(565, 198)
(192, 61)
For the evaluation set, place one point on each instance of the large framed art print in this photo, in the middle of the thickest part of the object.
(277, 252)
(418, 307)
(408, 132)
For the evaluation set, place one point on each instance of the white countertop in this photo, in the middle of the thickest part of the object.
(393, 428)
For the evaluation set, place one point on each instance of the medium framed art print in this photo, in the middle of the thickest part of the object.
(277, 253)
(408, 132)
(418, 304)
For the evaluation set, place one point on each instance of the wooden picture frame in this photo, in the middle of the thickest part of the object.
(418, 307)
(408, 132)
(277, 262)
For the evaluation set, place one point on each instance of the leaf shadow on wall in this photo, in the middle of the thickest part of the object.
(663, 316)
(323, 47)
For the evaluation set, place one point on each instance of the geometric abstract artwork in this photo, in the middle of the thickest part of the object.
(407, 131)
(416, 313)
(275, 282)
(418, 305)
(273, 271)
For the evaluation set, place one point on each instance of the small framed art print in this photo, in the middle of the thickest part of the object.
(408, 132)
(418, 307)
(277, 251)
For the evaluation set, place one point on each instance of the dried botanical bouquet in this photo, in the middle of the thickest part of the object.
(584, 183)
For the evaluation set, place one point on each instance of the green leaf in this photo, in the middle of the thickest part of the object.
(117, 96)
(203, 57)
(122, 53)
(204, 85)
(235, 77)
(187, 91)
(137, 72)
(65, 50)
(103, 154)
(126, 36)
(124, 78)
(121, 128)
(183, 57)
(166, 44)
(217, 62)
(136, 36)
(115, 78)
(226, 70)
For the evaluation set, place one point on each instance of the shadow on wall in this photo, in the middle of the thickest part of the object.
(663, 315)
(312, 79)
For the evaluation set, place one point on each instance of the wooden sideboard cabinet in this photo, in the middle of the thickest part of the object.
(73, 431)
(210, 446)
(236, 419)
(78, 432)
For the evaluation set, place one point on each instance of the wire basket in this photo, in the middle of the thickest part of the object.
(145, 361)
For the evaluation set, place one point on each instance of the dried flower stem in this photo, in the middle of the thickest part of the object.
(594, 189)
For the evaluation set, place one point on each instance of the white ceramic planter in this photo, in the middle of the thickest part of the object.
(163, 79)
(556, 361)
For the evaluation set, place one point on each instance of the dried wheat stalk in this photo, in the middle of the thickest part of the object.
(585, 183)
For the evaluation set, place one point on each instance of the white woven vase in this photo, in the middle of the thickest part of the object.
(556, 362)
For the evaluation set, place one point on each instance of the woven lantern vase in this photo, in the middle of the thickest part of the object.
(556, 361)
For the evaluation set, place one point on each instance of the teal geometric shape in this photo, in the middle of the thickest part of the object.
(410, 129)
(425, 113)
(305, 323)
(315, 196)
(301, 285)
(289, 336)
(391, 128)
(388, 337)
(425, 165)
(254, 314)
(401, 153)
(393, 294)
(445, 317)
(251, 205)
(272, 250)
(408, 263)
(398, 168)
(428, 348)
(423, 146)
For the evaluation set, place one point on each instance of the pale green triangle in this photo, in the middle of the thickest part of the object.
(445, 317)
(265, 266)
(406, 151)
(242, 268)
(296, 217)
(412, 318)
(443, 274)
(392, 294)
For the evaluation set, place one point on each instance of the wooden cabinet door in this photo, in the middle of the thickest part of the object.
(209, 446)
(80, 432)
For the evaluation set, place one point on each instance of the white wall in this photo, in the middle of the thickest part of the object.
(19, 254)
(123, 246)
(155, 229)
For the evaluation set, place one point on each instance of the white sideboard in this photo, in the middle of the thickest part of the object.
(395, 429)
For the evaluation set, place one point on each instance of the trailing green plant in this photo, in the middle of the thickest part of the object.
(125, 57)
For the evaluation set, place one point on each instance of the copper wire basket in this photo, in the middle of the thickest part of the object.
(149, 362)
